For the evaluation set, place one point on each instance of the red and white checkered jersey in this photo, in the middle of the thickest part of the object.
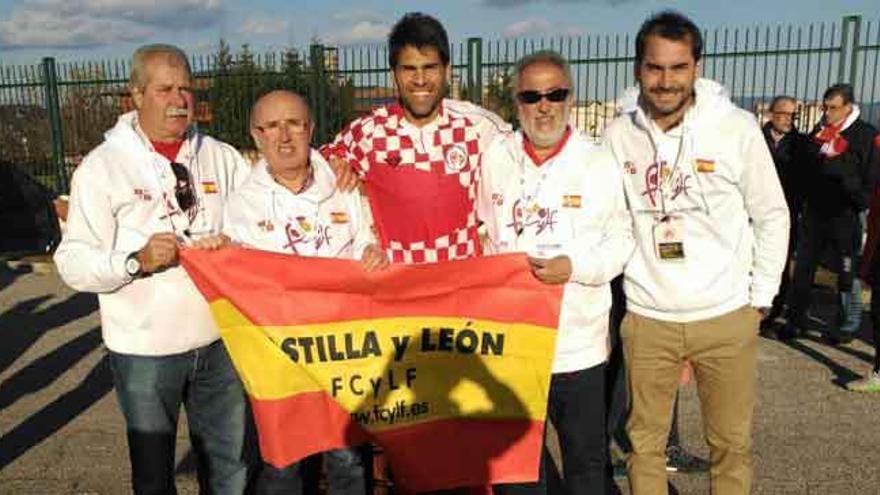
(421, 181)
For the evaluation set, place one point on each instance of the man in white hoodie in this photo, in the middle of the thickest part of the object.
(548, 192)
(711, 232)
(290, 204)
(154, 185)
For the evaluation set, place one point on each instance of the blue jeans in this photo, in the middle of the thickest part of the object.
(150, 391)
(345, 475)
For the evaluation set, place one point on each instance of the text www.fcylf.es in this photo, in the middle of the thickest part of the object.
(400, 411)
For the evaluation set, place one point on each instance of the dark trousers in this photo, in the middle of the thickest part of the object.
(784, 282)
(820, 233)
(345, 475)
(875, 321)
(576, 408)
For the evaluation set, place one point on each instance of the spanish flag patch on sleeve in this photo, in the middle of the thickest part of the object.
(571, 201)
(339, 217)
(209, 187)
(704, 165)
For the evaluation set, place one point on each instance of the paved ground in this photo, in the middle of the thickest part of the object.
(61, 433)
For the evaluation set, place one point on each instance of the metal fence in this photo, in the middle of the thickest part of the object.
(51, 114)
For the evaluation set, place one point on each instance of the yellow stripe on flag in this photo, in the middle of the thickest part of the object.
(396, 360)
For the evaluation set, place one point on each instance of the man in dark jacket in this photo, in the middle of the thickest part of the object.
(792, 153)
(837, 190)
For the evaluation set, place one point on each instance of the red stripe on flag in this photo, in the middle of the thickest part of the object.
(464, 452)
(296, 427)
(256, 282)
(458, 452)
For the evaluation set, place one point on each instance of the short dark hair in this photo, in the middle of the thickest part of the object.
(843, 90)
(671, 25)
(418, 30)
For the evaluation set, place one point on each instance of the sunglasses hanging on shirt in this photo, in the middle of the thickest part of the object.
(183, 188)
(532, 96)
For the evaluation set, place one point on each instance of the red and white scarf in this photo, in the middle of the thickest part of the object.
(829, 138)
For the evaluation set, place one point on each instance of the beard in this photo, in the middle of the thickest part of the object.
(546, 138)
(419, 110)
(664, 109)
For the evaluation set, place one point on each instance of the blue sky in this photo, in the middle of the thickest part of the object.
(90, 29)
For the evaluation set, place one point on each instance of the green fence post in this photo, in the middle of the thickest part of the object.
(50, 82)
(854, 55)
(475, 70)
(849, 48)
(318, 94)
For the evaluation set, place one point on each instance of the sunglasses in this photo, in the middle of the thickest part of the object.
(183, 188)
(532, 96)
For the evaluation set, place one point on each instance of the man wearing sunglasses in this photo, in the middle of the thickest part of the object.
(550, 193)
(154, 185)
(711, 234)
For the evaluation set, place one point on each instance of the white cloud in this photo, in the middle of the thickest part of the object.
(538, 25)
(263, 25)
(356, 16)
(84, 23)
(360, 32)
(527, 26)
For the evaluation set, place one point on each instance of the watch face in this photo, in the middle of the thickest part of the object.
(132, 266)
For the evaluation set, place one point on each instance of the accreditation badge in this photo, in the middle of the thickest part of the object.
(669, 238)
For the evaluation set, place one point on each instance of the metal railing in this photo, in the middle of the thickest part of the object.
(51, 114)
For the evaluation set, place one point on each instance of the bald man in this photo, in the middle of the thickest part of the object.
(290, 204)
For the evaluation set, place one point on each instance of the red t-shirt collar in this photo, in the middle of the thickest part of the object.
(530, 148)
(168, 150)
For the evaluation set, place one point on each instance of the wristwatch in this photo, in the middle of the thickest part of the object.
(133, 265)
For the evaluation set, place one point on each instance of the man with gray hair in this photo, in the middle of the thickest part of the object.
(153, 187)
(548, 192)
(792, 154)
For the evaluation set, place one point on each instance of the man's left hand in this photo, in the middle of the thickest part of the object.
(346, 178)
(551, 271)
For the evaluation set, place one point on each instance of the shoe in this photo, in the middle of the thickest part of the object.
(851, 309)
(839, 337)
(679, 460)
(788, 331)
(766, 326)
(870, 383)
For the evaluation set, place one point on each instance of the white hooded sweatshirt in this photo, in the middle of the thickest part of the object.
(320, 221)
(573, 205)
(714, 175)
(121, 194)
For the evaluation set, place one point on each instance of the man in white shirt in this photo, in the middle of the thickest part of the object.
(290, 204)
(548, 192)
(711, 233)
(154, 185)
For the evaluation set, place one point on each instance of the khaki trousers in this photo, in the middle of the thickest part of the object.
(722, 352)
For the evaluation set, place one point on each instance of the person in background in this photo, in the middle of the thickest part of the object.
(837, 192)
(792, 152)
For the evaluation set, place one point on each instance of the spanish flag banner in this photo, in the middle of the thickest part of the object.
(446, 366)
